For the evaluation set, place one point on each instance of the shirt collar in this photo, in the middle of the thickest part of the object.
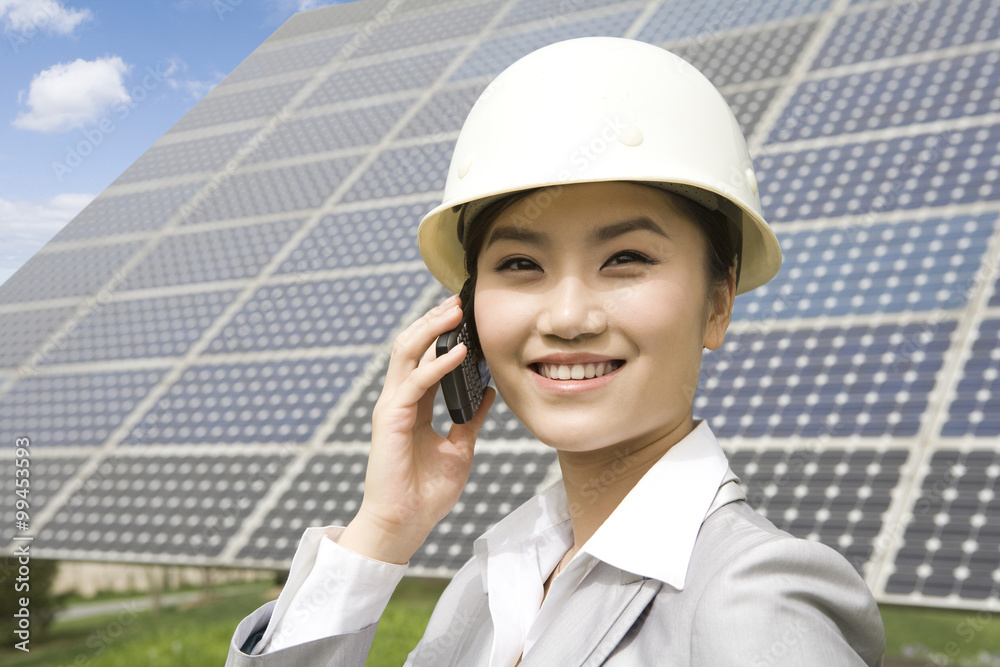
(651, 533)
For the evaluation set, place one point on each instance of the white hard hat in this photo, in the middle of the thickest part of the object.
(600, 109)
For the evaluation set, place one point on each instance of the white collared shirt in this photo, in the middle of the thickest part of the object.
(518, 554)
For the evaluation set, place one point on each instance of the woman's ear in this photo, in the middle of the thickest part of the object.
(720, 312)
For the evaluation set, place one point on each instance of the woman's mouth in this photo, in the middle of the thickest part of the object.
(586, 371)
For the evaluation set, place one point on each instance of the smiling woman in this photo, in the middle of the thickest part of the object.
(602, 209)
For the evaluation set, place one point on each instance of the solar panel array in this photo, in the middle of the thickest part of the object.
(195, 357)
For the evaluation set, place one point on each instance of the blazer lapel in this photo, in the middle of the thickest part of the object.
(598, 614)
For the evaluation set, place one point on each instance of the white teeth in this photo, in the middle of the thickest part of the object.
(576, 371)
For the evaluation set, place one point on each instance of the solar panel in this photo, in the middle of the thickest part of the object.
(197, 354)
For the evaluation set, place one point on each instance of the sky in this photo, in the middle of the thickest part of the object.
(86, 86)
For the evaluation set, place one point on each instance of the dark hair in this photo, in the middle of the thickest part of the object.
(723, 239)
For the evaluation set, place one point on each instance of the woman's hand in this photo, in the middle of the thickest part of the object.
(415, 476)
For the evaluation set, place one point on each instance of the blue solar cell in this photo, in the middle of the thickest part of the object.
(343, 129)
(185, 157)
(351, 311)
(275, 401)
(685, 18)
(404, 171)
(762, 52)
(445, 112)
(126, 214)
(815, 389)
(22, 332)
(232, 253)
(869, 269)
(858, 179)
(412, 72)
(289, 58)
(428, 29)
(552, 12)
(158, 327)
(221, 107)
(925, 92)
(368, 237)
(278, 190)
(72, 410)
(495, 54)
(975, 409)
(908, 27)
(52, 275)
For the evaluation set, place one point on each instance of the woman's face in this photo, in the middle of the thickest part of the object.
(592, 307)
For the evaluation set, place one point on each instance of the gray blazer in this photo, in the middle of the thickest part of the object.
(754, 596)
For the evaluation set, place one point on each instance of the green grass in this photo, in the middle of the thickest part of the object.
(403, 622)
(198, 634)
(949, 637)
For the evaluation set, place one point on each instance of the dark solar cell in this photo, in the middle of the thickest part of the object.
(48, 477)
(169, 505)
(824, 496)
(72, 409)
(945, 551)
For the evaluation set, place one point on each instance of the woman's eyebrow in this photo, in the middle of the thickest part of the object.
(614, 230)
(509, 233)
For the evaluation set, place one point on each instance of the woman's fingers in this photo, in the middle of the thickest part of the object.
(425, 377)
(411, 344)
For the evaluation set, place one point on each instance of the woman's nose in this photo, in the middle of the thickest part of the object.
(570, 310)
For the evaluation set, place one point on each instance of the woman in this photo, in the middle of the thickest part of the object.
(602, 204)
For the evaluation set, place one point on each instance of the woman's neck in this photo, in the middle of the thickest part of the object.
(597, 481)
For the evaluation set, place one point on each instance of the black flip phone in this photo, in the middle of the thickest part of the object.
(463, 387)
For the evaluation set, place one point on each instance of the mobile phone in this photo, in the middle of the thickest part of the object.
(463, 387)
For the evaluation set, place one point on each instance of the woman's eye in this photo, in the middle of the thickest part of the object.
(517, 264)
(627, 257)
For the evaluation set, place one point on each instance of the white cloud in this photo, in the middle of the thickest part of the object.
(27, 226)
(192, 89)
(75, 94)
(305, 5)
(26, 16)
